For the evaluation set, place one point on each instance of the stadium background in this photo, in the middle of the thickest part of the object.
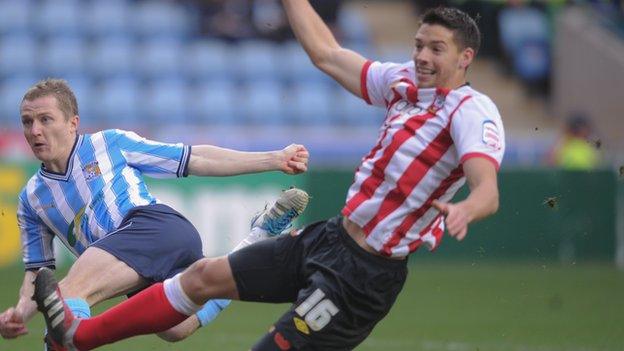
(540, 275)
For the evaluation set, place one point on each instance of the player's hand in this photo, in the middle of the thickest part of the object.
(294, 159)
(456, 218)
(12, 324)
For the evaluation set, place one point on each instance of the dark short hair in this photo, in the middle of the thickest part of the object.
(65, 98)
(464, 28)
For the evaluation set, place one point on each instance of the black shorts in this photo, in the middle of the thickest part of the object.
(155, 240)
(339, 290)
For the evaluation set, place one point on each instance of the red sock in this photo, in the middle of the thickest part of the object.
(147, 312)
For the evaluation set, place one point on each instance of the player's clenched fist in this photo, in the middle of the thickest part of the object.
(456, 218)
(11, 324)
(294, 159)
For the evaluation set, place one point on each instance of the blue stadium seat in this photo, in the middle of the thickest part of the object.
(61, 56)
(532, 62)
(11, 93)
(112, 57)
(394, 53)
(15, 16)
(352, 110)
(353, 26)
(58, 17)
(296, 66)
(263, 103)
(82, 86)
(158, 18)
(214, 103)
(367, 50)
(117, 103)
(18, 54)
(258, 60)
(165, 102)
(107, 18)
(159, 59)
(209, 60)
(311, 104)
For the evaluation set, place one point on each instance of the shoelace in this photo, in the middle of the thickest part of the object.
(278, 225)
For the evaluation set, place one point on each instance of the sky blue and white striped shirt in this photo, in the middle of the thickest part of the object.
(103, 181)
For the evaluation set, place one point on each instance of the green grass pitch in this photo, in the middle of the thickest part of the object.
(445, 306)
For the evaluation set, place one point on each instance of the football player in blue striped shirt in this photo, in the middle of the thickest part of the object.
(90, 193)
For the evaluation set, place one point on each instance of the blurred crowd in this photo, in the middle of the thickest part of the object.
(234, 20)
(153, 63)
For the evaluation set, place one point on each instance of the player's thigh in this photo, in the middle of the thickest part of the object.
(98, 275)
(312, 323)
(317, 321)
(269, 270)
(338, 311)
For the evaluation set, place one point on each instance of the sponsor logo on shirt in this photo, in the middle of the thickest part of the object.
(75, 231)
(301, 325)
(490, 135)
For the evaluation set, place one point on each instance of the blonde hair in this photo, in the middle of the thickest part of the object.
(59, 88)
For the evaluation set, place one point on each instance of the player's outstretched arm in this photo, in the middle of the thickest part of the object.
(208, 160)
(13, 320)
(344, 65)
(482, 201)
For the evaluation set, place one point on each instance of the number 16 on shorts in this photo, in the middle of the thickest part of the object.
(316, 311)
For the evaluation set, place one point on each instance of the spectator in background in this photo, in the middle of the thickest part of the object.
(235, 20)
(525, 39)
(271, 23)
(575, 150)
(226, 19)
(424, 5)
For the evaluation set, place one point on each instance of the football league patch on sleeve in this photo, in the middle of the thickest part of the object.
(490, 135)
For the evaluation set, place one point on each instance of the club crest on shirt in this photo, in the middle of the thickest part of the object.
(490, 135)
(91, 171)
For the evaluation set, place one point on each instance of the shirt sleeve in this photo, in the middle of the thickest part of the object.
(376, 80)
(152, 158)
(477, 131)
(37, 247)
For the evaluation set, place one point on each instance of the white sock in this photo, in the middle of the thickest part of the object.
(178, 298)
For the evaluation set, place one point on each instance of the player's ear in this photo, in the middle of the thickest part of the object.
(74, 123)
(466, 57)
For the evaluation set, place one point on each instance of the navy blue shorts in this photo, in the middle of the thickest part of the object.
(155, 240)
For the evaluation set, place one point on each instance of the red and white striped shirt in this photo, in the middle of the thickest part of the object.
(425, 138)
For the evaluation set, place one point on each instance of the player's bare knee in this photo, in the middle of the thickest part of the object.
(208, 278)
(199, 276)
